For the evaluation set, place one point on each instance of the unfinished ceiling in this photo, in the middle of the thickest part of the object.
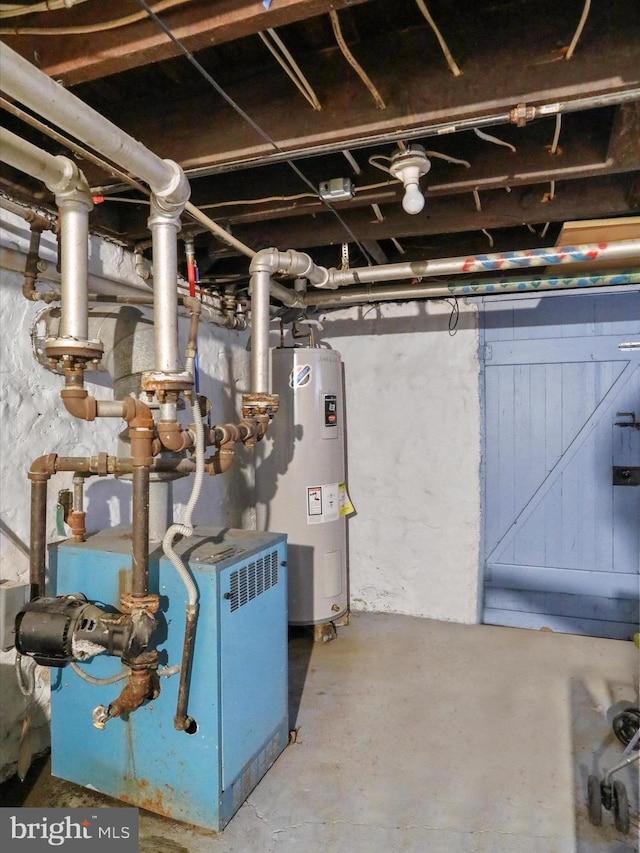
(533, 107)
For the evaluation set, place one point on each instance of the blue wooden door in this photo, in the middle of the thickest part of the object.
(561, 542)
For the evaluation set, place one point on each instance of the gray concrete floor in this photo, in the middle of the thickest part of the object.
(420, 736)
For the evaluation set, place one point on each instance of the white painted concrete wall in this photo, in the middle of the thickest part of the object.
(32, 422)
(413, 432)
(413, 439)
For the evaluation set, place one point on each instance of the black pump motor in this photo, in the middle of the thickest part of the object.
(55, 631)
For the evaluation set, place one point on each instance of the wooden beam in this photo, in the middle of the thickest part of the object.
(421, 102)
(624, 143)
(592, 198)
(79, 58)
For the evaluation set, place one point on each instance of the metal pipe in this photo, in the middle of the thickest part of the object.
(38, 535)
(140, 535)
(28, 158)
(164, 230)
(619, 250)
(288, 297)
(519, 114)
(218, 230)
(74, 238)
(36, 90)
(262, 266)
(160, 508)
(466, 287)
(260, 285)
(73, 198)
(182, 721)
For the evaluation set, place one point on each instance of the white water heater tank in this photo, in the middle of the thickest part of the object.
(300, 480)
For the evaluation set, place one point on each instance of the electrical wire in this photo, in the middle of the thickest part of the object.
(292, 69)
(166, 672)
(488, 138)
(352, 161)
(476, 198)
(578, 32)
(488, 236)
(265, 200)
(78, 29)
(276, 198)
(25, 674)
(73, 146)
(553, 148)
(190, 209)
(373, 160)
(247, 118)
(99, 199)
(353, 62)
(16, 10)
(443, 45)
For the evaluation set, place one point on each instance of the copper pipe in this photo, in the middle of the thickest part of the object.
(37, 549)
(173, 437)
(140, 547)
(40, 472)
(223, 460)
(79, 403)
(182, 722)
(141, 685)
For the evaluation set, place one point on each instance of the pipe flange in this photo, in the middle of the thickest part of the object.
(131, 603)
(57, 348)
(259, 404)
(157, 381)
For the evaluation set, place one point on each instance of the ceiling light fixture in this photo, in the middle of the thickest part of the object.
(409, 166)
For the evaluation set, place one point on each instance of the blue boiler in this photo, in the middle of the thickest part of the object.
(238, 686)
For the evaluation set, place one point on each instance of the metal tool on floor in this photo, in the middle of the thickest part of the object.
(613, 796)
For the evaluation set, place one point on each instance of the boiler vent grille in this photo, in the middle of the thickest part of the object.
(253, 579)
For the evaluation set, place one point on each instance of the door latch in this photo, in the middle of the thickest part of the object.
(630, 423)
(626, 475)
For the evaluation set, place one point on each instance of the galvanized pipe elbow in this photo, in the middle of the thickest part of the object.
(173, 437)
(44, 467)
(79, 403)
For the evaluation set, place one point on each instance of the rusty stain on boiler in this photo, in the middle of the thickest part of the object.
(146, 797)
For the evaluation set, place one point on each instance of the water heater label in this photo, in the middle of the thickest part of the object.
(300, 376)
(323, 503)
(330, 410)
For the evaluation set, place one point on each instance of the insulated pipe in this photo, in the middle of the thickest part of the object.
(164, 230)
(263, 265)
(619, 250)
(260, 317)
(479, 287)
(22, 155)
(74, 237)
(73, 197)
(36, 90)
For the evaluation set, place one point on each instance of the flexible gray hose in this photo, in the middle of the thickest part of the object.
(185, 528)
(166, 672)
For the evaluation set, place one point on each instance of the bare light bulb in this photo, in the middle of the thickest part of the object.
(413, 200)
(409, 166)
